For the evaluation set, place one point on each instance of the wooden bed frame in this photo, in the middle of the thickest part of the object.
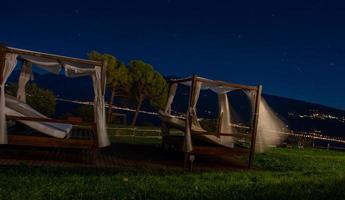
(47, 141)
(198, 150)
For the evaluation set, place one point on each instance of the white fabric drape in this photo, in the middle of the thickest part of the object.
(10, 64)
(221, 90)
(171, 97)
(49, 65)
(99, 108)
(73, 71)
(188, 146)
(17, 108)
(198, 86)
(225, 123)
(269, 125)
(54, 66)
(24, 77)
(251, 96)
(208, 85)
(191, 115)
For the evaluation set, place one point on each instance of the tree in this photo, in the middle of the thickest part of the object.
(118, 78)
(159, 92)
(42, 100)
(147, 84)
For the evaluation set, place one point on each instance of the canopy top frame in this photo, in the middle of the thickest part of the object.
(7, 49)
(214, 82)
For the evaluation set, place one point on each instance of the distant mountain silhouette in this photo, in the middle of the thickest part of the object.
(299, 115)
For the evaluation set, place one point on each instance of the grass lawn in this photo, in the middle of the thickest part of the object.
(285, 174)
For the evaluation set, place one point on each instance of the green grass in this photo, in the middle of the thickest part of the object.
(284, 174)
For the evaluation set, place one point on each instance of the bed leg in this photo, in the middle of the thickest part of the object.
(93, 156)
(163, 143)
(188, 161)
(164, 133)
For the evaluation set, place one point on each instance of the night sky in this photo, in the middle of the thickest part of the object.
(295, 49)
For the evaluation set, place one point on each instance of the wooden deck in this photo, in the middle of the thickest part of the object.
(35, 149)
(116, 156)
(79, 138)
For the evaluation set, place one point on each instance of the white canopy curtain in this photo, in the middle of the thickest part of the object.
(10, 64)
(225, 122)
(50, 65)
(251, 96)
(24, 78)
(222, 100)
(73, 71)
(191, 115)
(269, 124)
(188, 147)
(224, 110)
(208, 84)
(99, 107)
(225, 126)
(54, 66)
(198, 86)
(172, 93)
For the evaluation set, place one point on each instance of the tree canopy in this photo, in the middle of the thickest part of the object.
(118, 77)
(138, 80)
(147, 85)
(117, 72)
(159, 92)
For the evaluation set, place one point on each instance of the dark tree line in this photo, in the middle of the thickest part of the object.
(137, 80)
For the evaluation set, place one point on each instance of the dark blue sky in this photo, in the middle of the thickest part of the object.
(295, 49)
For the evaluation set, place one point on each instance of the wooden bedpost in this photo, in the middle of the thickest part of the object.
(188, 158)
(255, 125)
(3, 49)
(164, 126)
(104, 74)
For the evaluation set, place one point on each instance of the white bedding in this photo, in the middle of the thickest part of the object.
(181, 124)
(20, 109)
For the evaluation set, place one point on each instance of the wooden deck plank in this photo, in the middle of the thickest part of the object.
(49, 142)
(115, 156)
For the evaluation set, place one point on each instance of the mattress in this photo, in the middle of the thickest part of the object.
(181, 124)
(20, 109)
